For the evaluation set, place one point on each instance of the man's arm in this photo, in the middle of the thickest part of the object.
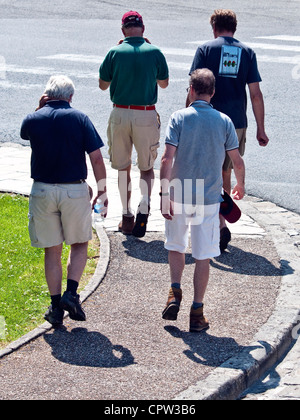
(259, 112)
(239, 171)
(103, 85)
(100, 176)
(165, 176)
(163, 83)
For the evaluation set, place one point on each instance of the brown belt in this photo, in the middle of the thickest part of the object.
(80, 181)
(137, 107)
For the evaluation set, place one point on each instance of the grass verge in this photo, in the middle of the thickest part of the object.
(24, 295)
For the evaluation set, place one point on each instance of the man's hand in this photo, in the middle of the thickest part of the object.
(262, 138)
(103, 197)
(238, 192)
(43, 100)
(166, 207)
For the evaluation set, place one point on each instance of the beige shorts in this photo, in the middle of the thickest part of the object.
(205, 234)
(127, 128)
(241, 133)
(59, 213)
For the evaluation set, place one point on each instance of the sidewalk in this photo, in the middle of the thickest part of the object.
(126, 351)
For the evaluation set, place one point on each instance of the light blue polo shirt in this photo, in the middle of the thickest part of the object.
(202, 136)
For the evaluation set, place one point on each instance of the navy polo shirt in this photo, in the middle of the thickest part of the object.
(60, 136)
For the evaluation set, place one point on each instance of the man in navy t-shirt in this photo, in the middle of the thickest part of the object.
(59, 204)
(234, 66)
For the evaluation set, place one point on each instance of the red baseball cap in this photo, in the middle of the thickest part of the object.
(132, 18)
(229, 210)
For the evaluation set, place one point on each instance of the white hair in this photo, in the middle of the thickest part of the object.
(60, 87)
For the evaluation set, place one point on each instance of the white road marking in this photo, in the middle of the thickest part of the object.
(279, 59)
(288, 38)
(176, 65)
(75, 58)
(5, 84)
(264, 46)
(277, 47)
(48, 71)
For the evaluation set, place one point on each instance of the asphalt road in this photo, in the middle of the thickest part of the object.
(41, 38)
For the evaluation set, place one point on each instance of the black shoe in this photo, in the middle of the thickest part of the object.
(225, 238)
(72, 304)
(141, 221)
(54, 316)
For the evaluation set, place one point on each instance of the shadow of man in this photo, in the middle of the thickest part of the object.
(206, 349)
(152, 251)
(244, 262)
(87, 348)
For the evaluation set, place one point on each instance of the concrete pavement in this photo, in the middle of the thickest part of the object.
(264, 257)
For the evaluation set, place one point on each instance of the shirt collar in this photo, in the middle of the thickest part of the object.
(58, 104)
(201, 103)
(134, 39)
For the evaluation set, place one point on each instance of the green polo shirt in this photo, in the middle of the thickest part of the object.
(133, 69)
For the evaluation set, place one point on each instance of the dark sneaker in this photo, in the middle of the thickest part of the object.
(141, 221)
(198, 322)
(126, 225)
(173, 304)
(54, 316)
(225, 238)
(72, 305)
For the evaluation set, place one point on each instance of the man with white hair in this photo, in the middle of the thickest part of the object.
(59, 205)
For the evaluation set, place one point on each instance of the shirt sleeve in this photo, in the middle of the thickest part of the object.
(163, 70)
(105, 70)
(253, 74)
(24, 129)
(92, 139)
(173, 132)
(198, 62)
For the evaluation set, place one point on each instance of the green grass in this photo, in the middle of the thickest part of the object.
(24, 295)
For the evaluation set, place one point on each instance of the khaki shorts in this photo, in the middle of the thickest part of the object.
(127, 128)
(241, 133)
(205, 235)
(59, 213)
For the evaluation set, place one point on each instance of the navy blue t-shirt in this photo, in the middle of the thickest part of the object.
(234, 65)
(60, 136)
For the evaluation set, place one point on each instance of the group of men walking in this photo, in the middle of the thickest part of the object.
(204, 142)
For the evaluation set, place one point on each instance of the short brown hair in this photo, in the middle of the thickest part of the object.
(203, 81)
(224, 20)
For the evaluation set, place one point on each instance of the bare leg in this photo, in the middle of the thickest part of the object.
(227, 181)
(201, 277)
(77, 261)
(53, 269)
(177, 264)
(146, 184)
(124, 184)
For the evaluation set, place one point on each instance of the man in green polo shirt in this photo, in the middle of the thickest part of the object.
(133, 70)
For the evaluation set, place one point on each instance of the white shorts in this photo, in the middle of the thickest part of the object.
(205, 232)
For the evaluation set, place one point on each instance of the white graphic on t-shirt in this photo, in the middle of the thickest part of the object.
(230, 61)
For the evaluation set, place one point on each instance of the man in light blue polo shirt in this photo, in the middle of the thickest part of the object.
(197, 139)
